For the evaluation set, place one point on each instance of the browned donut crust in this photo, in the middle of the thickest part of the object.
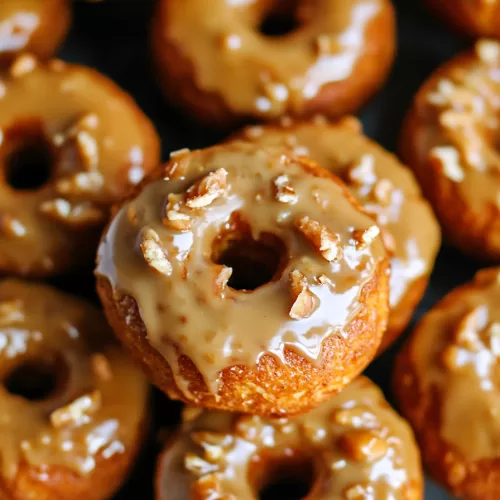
(449, 139)
(35, 26)
(352, 446)
(386, 190)
(77, 437)
(446, 383)
(86, 140)
(214, 63)
(475, 18)
(218, 350)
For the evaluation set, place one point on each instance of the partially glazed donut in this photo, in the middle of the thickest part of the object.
(446, 381)
(245, 279)
(476, 18)
(384, 188)
(74, 407)
(35, 26)
(450, 140)
(214, 61)
(71, 144)
(354, 446)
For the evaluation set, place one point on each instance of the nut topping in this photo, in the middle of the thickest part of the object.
(204, 192)
(364, 238)
(24, 64)
(449, 159)
(321, 237)
(283, 190)
(153, 253)
(221, 279)
(363, 172)
(9, 226)
(72, 214)
(304, 301)
(87, 147)
(77, 412)
(197, 465)
(363, 446)
(488, 51)
(177, 221)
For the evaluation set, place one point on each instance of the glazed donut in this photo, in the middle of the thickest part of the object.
(74, 407)
(384, 188)
(35, 26)
(245, 280)
(449, 139)
(475, 18)
(446, 381)
(334, 452)
(215, 61)
(71, 144)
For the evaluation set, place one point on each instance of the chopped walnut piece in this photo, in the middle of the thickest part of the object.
(76, 412)
(449, 159)
(24, 64)
(363, 445)
(76, 214)
(283, 190)
(222, 279)
(359, 492)
(363, 171)
(80, 183)
(12, 227)
(204, 192)
(101, 367)
(87, 147)
(488, 51)
(364, 237)
(153, 253)
(197, 465)
(177, 221)
(382, 191)
(325, 280)
(327, 243)
(304, 301)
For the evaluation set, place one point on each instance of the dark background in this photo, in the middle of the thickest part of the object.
(112, 36)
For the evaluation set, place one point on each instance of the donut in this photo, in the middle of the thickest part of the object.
(71, 144)
(218, 62)
(478, 18)
(35, 26)
(449, 140)
(384, 188)
(74, 407)
(245, 279)
(447, 387)
(353, 446)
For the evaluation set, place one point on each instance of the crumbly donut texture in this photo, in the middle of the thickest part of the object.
(215, 62)
(386, 190)
(74, 406)
(86, 140)
(246, 279)
(355, 443)
(449, 139)
(446, 382)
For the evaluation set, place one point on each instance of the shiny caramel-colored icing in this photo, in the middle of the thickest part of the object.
(36, 26)
(159, 249)
(450, 140)
(251, 74)
(99, 145)
(380, 183)
(98, 401)
(358, 446)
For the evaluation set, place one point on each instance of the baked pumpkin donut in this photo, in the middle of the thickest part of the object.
(73, 405)
(476, 18)
(332, 452)
(35, 26)
(72, 143)
(449, 139)
(245, 279)
(384, 188)
(446, 381)
(215, 60)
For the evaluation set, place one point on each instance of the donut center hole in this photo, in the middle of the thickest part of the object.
(254, 262)
(281, 20)
(35, 380)
(293, 481)
(28, 165)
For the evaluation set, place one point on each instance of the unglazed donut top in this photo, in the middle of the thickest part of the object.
(158, 250)
(382, 186)
(100, 397)
(457, 120)
(266, 76)
(100, 145)
(456, 352)
(359, 447)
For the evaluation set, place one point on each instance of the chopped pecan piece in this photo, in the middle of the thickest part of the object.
(364, 237)
(204, 192)
(153, 253)
(76, 412)
(283, 190)
(304, 301)
(327, 243)
(449, 159)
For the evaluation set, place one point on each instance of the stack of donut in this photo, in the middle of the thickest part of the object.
(253, 280)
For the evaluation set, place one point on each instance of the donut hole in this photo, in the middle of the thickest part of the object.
(290, 478)
(254, 262)
(280, 20)
(36, 380)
